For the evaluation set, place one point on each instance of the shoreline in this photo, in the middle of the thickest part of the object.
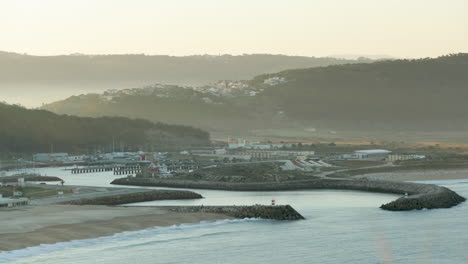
(33, 225)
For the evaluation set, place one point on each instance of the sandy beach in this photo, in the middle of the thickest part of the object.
(48, 224)
(429, 175)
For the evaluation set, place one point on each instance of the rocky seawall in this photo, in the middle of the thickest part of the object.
(136, 197)
(278, 212)
(416, 196)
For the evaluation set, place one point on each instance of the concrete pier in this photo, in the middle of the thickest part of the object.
(118, 170)
(91, 169)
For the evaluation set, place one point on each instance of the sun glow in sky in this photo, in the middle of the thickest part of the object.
(401, 28)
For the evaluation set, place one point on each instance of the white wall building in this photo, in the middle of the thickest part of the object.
(372, 154)
(395, 157)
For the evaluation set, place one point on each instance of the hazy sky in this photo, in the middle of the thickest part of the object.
(402, 28)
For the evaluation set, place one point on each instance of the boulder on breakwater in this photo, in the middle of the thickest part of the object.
(276, 212)
(417, 196)
(136, 197)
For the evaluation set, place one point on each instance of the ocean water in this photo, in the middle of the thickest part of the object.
(340, 227)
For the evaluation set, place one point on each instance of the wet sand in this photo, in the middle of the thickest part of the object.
(49, 224)
(429, 175)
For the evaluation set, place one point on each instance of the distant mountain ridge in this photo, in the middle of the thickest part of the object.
(397, 95)
(34, 80)
(140, 68)
(363, 56)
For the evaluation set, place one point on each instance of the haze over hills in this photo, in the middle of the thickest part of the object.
(399, 95)
(29, 131)
(51, 78)
(362, 56)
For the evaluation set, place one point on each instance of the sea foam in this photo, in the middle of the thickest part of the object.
(8, 256)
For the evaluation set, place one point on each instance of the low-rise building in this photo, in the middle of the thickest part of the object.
(51, 157)
(368, 154)
(373, 154)
(244, 144)
(79, 158)
(395, 157)
(271, 154)
(13, 202)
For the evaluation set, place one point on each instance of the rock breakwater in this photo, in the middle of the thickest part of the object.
(277, 212)
(416, 196)
(136, 197)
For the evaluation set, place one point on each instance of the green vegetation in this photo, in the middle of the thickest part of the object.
(26, 131)
(178, 106)
(386, 95)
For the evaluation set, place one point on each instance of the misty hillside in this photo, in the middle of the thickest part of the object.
(400, 95)
(24, 130)
(142, 69)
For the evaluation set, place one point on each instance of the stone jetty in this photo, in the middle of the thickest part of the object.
(136, 197)
(275, 212)
(415, 195)
(279, 212)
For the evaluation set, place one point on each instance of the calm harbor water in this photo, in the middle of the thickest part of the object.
(341, 227)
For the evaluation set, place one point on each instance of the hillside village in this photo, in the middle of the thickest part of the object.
(223, 88)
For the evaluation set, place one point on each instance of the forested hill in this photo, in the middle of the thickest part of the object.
(143, 69)
(26, 131)
(423, 94)
(399, 95)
